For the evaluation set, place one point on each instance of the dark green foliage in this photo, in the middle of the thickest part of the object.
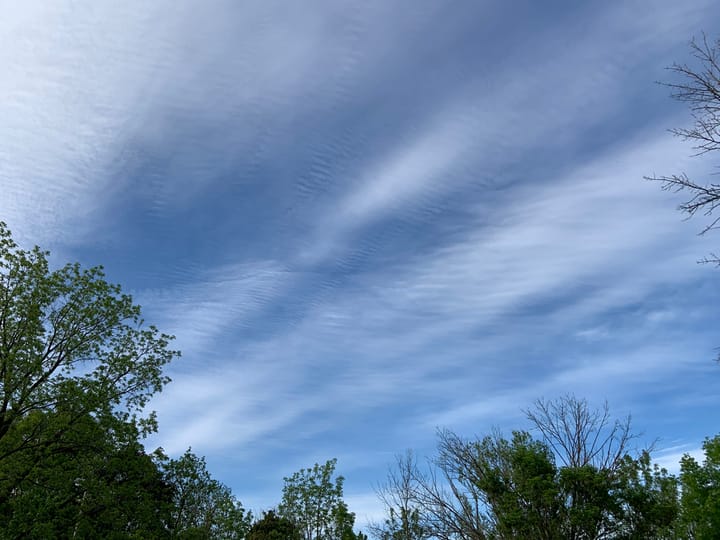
(589, 504)
(94, 482)
(203, 508)
(495, 488)
(77, 367)
(518, 479)
(700, 487)
(273, 527)
(648, 497)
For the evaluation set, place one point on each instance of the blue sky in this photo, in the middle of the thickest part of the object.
(367, 220)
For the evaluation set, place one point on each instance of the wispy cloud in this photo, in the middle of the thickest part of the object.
(206, 305)
(669, 458)
(358, 233)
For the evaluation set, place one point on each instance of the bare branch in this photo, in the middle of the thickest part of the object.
(579, 435)
(699, 86)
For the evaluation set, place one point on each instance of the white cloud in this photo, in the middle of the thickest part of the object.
(368, 509)
(669, 458)
(208, 304)
(540, 99)
(89, 92)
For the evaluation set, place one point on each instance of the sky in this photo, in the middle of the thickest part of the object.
(364, 221)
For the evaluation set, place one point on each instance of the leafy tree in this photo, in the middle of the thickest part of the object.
(203, 508)
(648, 497)
(591, 508)
(97, 482)
(592, 448)
(94, 482)
(273, 527)
(313, 502)
(518, 478)
(77, 367)
(700, 488)
(69, 340)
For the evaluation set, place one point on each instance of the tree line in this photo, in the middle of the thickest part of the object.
(78, 365)
(579, 477)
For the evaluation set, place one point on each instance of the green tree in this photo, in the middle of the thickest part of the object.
(203, 508)
(648, 500)
(94, 482)
(519, 480)
(70, 340)
(313, 501)
(700, 488)
(273, 527)
(591, 448)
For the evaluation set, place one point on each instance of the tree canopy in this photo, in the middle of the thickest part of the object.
(313, 501)
(72, 342)
(77, 368)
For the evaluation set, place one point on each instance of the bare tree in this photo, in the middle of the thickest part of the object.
(456, 503)
(404, 519)
(700, 89)
(579, 435)
(440, 501)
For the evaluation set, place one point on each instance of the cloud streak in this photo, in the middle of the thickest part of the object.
(357, 232)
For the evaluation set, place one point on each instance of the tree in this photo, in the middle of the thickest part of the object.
(700, 89)
(580, 435)
(700, 488)
(519, 480)
(603, 484)
(403, 519)
(400, 524)
(70, 341)
(648, 498)
(203, 508)
(97, 482)
(273, 527)
(313, 502)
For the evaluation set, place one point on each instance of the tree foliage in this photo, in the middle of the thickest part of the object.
(313, 501)
(648, 500)
(70, 341)
(203, 508)
(94, 482)
(700, 488)
(273, 527)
